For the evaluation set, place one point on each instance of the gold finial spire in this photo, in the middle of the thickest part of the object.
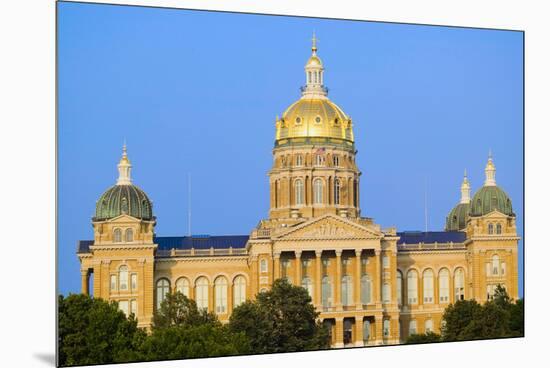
(314, 43)
(124, 168)
(465, 189)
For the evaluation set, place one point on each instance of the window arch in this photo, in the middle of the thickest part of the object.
(117, 236)
(412, 287)
(366, 287)
(239, 290)
(499, 229)
(337, 187)
(490, 230)
(444, 285)
(220, 293)
(129, 236)
(347, 290)
(182, 285)
(299, 160)
(123, 277)
(318, 191)
(428, 282)
(495, 263)
(459, 284)
(326, 292)
(307, 284)
(201, 292)
(299, 191)
(163, 288)
(399, 287)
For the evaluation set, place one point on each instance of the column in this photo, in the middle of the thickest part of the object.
(298, 268)
(229, 298)
(318, 278)
(377, 278)
(339, 329)
(276, 266)
(85, 287)
(211, 297)
(357, 283)
(254, 279)
(378, 326)
(338, 281)
(358, 331)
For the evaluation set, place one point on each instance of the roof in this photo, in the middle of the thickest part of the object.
(415, 237)
(186, 242)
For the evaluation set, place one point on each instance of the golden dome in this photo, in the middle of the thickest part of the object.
(314, 117)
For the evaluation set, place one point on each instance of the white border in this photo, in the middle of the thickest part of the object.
(27, 154)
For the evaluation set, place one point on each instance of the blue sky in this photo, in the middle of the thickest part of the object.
(198, 92)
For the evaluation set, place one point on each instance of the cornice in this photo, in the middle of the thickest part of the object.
(123, 247)
(203, 259)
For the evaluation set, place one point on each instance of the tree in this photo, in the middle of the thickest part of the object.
(423, 338)
(180, 330)
(93, 331)
(498, 317)
(280, 320)
(178, 310)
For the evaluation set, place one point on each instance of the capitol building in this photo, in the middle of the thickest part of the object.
(371, 285)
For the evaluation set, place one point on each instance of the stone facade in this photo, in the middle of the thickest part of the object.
(371, 285)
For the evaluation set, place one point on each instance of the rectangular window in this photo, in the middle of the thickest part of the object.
(503, 268)
(123, 306)
(133, 307)
(133, 282)
(113, 283)
(412, 327)
(263, 266)
(386, 293)
(386, 328)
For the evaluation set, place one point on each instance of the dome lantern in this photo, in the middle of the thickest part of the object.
(124, 168)
(465, 189)
(490, 172)
(314, 87)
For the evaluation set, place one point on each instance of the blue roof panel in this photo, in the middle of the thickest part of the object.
(415, 237)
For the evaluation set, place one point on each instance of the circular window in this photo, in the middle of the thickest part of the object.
(318, 119)
(298, 120)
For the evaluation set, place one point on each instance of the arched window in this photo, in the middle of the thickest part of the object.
(412, 327)
(298, 160)
(347, 290)
(239, 290)
(318, 191)
(355, 193)
(326, 292)
(366, 330)
(182, 285)
(309, 80)
(399, 287)
(201, 293)
(335, 160)
(366, 287)
(117, 236)
(163, 288)
(134, 281)
(220, 292)
(428, 280)
(412, 287)
(499, 229)
(123, 277)
(386, 293)
(308, 285)
(459, 284)
(428, 326)
(337, 191)
(444, 285)
(490, 228)
(129, 237)
(495, 264)
(299, 191)
(263, 265)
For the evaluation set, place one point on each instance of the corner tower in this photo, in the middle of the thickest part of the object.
(314, 171)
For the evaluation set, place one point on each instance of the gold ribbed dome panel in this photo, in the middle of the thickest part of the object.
(314, 117)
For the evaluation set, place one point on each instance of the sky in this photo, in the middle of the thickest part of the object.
(195, 94)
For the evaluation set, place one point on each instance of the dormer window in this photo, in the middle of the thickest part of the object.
(499, 229)
(129, 235)
(491, 229)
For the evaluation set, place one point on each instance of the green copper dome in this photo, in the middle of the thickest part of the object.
(490, 198)
(123, 199)
(457, 218)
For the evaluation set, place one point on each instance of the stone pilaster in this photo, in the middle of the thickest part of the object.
(338, 281)
(318, 278)
(358, 331)
(339, 332)
(84, 278)
(276, 266)
(357, 282)
(298, 268)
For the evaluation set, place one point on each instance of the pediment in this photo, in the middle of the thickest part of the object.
(329, 227)
(495, 215)
(124, 219)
